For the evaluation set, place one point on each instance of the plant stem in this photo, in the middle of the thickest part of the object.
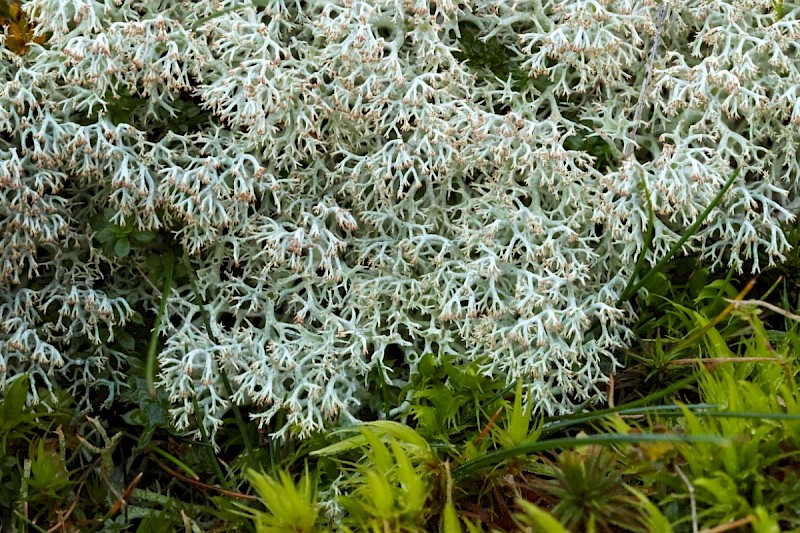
(150, 362)
(690, 231)
(226, 384)
(204, 436)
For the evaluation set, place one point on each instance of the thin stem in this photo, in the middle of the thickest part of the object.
(648, 242)
(25, 521)
(692, 502)
(766, 305)
(204, 436)
(207, 486)
(637, 114)
(174, 460)
(226, 384)
(690, 231)
(150, 362)
(663, 393)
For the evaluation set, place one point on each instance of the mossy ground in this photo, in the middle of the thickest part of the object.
(701, 431)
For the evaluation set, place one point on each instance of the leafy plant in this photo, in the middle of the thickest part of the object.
(291, 507)
(33, 466)
(118, 240)
(446, 399)
(585, 491)
(49, 477)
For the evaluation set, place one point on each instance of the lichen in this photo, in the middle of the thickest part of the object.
(350, 178)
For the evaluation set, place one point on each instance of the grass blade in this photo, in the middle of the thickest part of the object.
(492, 458)
(690, 231)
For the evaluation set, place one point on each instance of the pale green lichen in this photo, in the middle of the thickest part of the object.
(351, 177)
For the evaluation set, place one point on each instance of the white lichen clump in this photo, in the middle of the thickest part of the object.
(353, 180)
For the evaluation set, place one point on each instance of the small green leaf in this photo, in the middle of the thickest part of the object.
(15, 395)
(451, 524)
(125, 340)
(122, 231)
(143, 237)
(427, 365)
(290, 506)
(379, 493)
(105, 234)
(352, 443)
(698, 281)
(48, 472)
(656, 521)
(12, 408)
(137, 318)
(414, 486)
(122, 247)
(99, 222)
(539, 519)
(764, 523)
(657, 285)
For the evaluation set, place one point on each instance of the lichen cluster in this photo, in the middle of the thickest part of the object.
(352, 180)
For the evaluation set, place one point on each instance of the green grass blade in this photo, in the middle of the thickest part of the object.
(533, 515)
(237, 413)
(177, 462)
(690, 231)
(600, 413)
(150, 362)
(648, 242)
(667, 411)
(492, 458)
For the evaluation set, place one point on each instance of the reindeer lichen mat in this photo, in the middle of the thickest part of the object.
(325, 190)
